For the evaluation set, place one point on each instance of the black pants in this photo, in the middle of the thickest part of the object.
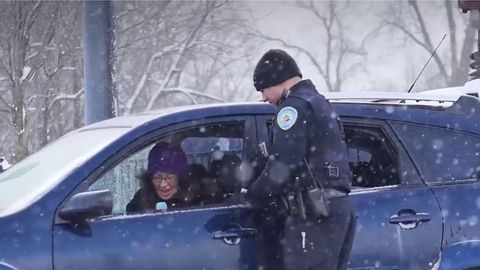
(326, 244)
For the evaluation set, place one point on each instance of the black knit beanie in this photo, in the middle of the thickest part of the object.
(275, 67)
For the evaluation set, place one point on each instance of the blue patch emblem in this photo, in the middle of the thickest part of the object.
(287, 117)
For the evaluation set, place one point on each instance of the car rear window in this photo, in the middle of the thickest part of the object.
(441, 154)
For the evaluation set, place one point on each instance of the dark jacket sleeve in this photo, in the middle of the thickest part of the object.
(289, 147)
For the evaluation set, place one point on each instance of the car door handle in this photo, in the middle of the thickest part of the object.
(409, 219)
(421, 217)
(233, 233)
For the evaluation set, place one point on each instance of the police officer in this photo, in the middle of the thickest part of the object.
(307, 154)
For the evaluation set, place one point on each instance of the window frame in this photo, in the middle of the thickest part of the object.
(139, 143)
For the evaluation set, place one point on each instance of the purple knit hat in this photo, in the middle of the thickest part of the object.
(167, 159)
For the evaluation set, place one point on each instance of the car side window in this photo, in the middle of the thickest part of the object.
(440, 154)
(212, 154)
(215, 156)
(373, 160)
(123, 179)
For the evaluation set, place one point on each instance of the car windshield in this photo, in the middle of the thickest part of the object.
(28, 180)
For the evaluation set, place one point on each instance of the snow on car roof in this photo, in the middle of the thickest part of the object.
(137, 119)
(470, 88)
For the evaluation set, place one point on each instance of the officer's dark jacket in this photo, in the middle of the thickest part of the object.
(316, 135)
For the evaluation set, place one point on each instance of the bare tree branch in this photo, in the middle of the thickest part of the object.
(408, 33)
(32, 16)
(454, 72)
(202, 55)
(467, 48)
(61, 97)
(126, 12)
(426, 38)
(7, 70)
(182, 52)
(145, 76)
(337, 46)
(452, 27)
(8, 105)
(5, 136)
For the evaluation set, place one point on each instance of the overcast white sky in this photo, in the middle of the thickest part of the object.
(391, 64)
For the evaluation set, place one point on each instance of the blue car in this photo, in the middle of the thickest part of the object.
(415, 162)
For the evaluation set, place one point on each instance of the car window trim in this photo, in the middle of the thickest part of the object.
(180, 210)
(453, 182)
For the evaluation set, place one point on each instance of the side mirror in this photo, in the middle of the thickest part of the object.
(86, 205)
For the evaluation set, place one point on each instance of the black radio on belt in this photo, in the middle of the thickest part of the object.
(316, 199)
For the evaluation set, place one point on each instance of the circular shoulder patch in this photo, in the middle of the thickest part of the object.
(287, 117)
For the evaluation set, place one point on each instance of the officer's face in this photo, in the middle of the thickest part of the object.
(272, 94)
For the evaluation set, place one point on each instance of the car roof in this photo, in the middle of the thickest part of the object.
(374, 106)
(453, 112)
(189, 112)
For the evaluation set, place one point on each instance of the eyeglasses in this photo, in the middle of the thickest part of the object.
(169, 178)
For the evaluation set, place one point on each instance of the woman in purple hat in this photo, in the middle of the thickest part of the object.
(162, 181)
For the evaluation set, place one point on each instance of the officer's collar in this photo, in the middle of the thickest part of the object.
(285, 95)
(302, 83)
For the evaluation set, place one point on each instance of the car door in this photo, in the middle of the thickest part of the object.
(397, 228)
(399, 224)
(209, 238)
(219, 235)
(448, 159)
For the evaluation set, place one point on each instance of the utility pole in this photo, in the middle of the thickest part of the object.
(99, 57)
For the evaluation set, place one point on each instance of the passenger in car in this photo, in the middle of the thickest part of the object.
(223, 173)
(210, 191)
(197, 174)
(163, 181)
